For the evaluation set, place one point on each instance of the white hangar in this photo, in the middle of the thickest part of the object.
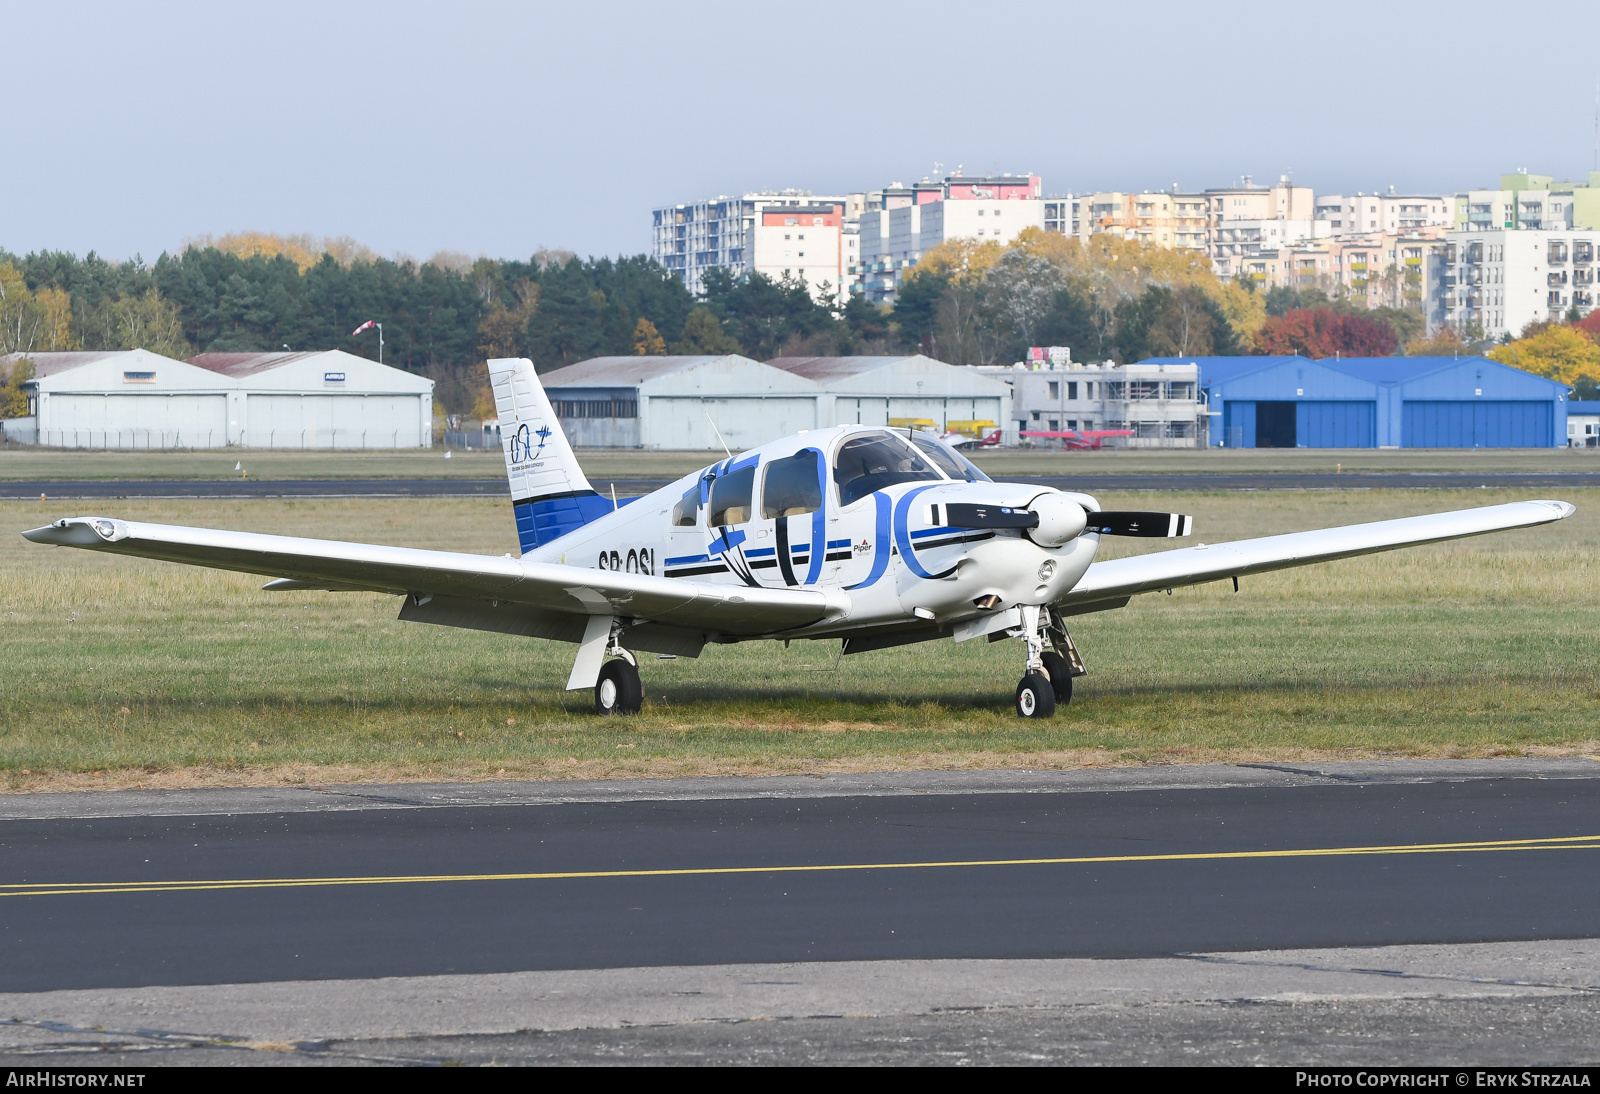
(121, 399)
(672, 402)
(872, 390)
(138, 399)
(328, 399)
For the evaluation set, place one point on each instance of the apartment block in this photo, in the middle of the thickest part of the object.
(805, 243)
(1160, 218)
(1499, 281)
(1533, 202)
(692, 238)
(1393, 213)
(910, 221)
(1231, 211)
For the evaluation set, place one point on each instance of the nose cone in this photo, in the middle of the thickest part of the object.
(1061, 520)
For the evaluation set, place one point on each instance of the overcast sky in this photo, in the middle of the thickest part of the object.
(498, 128)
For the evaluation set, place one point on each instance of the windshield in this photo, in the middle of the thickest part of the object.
(877, 460)
(947, 459)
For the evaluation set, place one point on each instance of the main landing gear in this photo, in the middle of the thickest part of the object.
(1047, 677)
(619, 690)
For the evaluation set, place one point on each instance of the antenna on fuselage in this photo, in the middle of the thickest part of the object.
(718, 432)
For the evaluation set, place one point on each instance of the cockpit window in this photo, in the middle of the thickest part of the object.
(877, 460)
(730, 497)
(947, 459)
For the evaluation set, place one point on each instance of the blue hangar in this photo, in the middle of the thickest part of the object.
(1378, 402)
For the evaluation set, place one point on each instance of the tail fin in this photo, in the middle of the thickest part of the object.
(549, 492)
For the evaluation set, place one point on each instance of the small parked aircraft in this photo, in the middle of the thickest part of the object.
(1078, 439)
(865, 535)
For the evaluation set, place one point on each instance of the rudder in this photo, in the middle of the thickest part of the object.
(550, 494)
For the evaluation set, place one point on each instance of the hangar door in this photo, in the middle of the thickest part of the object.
(1478, 423)
(1335, 424)
(1299, 424)
(333, 421)
(153, 420)
(680, 422)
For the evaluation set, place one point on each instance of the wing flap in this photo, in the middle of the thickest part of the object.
(319, 563)
(1124, 577)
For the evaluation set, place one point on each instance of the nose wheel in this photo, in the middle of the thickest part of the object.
(1047, 678)
(1036, 698)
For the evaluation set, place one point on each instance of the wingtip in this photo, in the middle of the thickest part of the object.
(1563, 509)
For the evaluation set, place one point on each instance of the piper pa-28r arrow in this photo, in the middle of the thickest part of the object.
(869, 536)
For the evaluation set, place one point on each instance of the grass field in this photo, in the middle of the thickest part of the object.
(121, 672)
(25, 463)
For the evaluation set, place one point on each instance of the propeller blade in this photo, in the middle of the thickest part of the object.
(1149, 525)
(968, 515)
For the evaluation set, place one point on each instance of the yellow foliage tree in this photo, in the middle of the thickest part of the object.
(647, 341)
(13, 400)
(303, 249)
(1446, 342)
(148, 322)
(21, 317)
(1559, 352)
(960, 260)
(1108, 270)
(55, 306)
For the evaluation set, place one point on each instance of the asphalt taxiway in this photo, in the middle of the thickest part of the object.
(879, 913)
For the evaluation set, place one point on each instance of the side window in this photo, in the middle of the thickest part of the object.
(686, 514)
(791, 487)
(730, 497)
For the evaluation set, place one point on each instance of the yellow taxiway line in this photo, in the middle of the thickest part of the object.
(1557, 843)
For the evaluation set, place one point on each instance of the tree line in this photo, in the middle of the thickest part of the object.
(966, 302)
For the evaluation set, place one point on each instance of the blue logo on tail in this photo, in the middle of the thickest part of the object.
(522, 446)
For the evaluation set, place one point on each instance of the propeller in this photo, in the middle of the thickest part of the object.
(1148, 525)
(968, 515)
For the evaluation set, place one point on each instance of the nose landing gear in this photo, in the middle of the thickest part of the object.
(1047, 676)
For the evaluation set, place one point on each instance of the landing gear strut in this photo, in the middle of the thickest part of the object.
(1047, 676)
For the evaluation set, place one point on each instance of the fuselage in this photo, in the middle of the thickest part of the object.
(858, 509)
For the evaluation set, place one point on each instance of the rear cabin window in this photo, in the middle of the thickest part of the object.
(877, 460)
(791, 488)
(730, 497)
(686, 514)
(947, 459)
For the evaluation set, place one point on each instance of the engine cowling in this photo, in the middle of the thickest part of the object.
(1061, 520)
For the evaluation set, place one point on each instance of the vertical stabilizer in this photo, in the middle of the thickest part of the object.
(549, 492)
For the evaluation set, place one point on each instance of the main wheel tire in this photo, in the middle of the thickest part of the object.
(1035, 697)
(1060, 676)
(618, 690)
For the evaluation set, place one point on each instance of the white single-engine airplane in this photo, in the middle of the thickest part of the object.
(872, 536)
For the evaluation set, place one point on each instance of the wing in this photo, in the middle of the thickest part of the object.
(1121, 578)
(457, 578)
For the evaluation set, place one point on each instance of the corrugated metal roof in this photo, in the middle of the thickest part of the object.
(822, 369)
(49, 364)
(1394, 370)
(625, 371)
(247, 364)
